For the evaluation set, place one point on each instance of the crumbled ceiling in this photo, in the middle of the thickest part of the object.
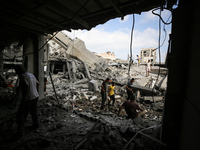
(20, 18)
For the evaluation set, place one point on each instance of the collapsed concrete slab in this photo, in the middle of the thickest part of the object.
(152, 98)
(76, 48)
(144, 90)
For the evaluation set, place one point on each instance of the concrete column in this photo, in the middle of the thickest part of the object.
(1, 62)
(33, 60)
(40, 65)
(28, 55)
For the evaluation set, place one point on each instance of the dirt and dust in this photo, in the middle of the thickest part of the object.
(74, 120)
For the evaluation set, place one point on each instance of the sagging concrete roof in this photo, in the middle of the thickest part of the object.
(20, 18)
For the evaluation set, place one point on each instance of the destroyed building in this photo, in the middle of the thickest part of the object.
(64, 47)
(147, 54)
(69, 114)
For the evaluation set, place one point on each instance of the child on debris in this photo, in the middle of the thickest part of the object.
(132, 109)
(148, 68)
(111, 94)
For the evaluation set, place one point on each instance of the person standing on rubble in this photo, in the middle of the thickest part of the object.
(138, 60)
(103, 92)
(129, 89)
(111, 94)
(131, 108)
(148, 68)
(28, 86)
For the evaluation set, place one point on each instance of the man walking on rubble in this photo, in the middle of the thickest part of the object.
(138, 60)
(111, 94)
(103, 92)
(28, 86)
(128, 89)
(131, 109)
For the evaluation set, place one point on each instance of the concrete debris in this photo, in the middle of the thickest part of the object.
(76, 48)
(70, 115)
(152, 98)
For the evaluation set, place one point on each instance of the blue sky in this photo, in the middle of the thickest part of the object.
(115, 35)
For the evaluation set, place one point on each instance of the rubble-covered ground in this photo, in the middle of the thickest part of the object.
(71, 118)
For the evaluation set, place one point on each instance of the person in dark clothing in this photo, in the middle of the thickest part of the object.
(28, 86)
(103, 92)
(131, 109)
(45, 85)
(128, 89)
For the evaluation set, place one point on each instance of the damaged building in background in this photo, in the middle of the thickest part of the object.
(147, 54)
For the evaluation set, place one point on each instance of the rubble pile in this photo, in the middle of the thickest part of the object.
(70, 115)
(71, 128)
(85, 92)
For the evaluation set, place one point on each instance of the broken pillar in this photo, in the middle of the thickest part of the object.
(73, 68)
(87, 71)
(69, 70)
(93, 85)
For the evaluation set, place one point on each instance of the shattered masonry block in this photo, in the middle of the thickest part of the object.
(93, 85)
(117, 96)
(123, 129)
(93, 98)
(74, 97)
(138, 121)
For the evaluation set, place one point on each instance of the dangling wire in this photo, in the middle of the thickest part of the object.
(130, 59)
(159, 37)
(165, 34)
(159, 40)
(159, 15)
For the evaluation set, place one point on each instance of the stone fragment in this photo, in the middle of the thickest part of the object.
(93, 98)
(138, 121)
(123, 129)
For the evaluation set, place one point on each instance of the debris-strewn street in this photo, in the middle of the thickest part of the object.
(70, 117)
